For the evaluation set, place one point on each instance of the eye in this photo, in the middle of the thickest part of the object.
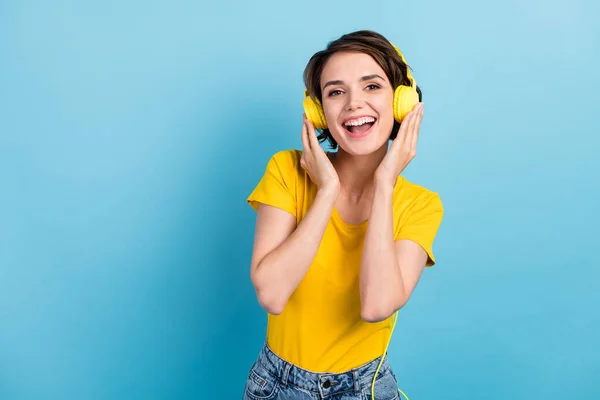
(334, 93)
(373, 86)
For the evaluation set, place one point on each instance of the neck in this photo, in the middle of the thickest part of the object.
(356, 173)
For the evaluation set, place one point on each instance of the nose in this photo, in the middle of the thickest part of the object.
(355, 100)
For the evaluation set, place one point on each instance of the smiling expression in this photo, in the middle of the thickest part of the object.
(357, 100)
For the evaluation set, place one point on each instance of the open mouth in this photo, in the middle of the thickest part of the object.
(360, 127)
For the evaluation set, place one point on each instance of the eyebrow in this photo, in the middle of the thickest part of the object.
(364, 78)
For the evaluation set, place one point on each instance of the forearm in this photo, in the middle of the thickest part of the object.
(280, 272)
(382, 288)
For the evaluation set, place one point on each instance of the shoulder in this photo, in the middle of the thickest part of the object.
(413, 195)
(287, 158)
(286, 163)
(279, 185)
(284, 166)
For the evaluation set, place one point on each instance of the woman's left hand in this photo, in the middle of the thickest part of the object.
(403, 148)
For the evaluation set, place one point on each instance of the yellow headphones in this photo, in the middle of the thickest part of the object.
(405, 98)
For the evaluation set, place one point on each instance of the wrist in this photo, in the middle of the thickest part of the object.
(330, 190)
(384, 186)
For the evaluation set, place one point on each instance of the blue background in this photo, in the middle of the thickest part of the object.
(131, 134)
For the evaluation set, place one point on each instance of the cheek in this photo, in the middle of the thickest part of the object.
(331, 110)
(385, 105)
(386, 115)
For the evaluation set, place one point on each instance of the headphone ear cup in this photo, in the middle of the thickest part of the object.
(405, 99)
(314, 113)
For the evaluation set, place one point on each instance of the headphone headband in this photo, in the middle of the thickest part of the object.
(413, 84)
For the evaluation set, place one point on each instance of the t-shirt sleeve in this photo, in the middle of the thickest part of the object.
(277, 186)
(422, 224)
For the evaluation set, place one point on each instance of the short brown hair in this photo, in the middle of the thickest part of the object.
(364, 41)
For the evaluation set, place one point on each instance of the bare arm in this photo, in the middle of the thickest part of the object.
(389, 270)
(283, 253)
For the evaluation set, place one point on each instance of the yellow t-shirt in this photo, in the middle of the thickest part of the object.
(320, 328)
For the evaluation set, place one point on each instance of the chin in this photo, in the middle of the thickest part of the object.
(366, 145)
(358, 150)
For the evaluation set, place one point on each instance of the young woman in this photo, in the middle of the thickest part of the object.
(341, 237)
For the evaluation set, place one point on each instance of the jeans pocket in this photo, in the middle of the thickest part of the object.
(261, 385)
(386, 388)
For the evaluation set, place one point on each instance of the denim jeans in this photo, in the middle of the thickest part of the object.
(271, 377)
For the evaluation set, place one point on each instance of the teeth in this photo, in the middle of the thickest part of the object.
(359, 121)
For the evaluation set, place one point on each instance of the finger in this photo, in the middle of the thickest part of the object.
(305, 143)
(411, 126)
(417, 128)
(410, 129)
(312, 135)
(404, 128)
(398, 143)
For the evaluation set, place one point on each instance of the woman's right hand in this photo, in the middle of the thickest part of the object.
(314, 160)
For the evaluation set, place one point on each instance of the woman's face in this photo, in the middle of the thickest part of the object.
(358, 102)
